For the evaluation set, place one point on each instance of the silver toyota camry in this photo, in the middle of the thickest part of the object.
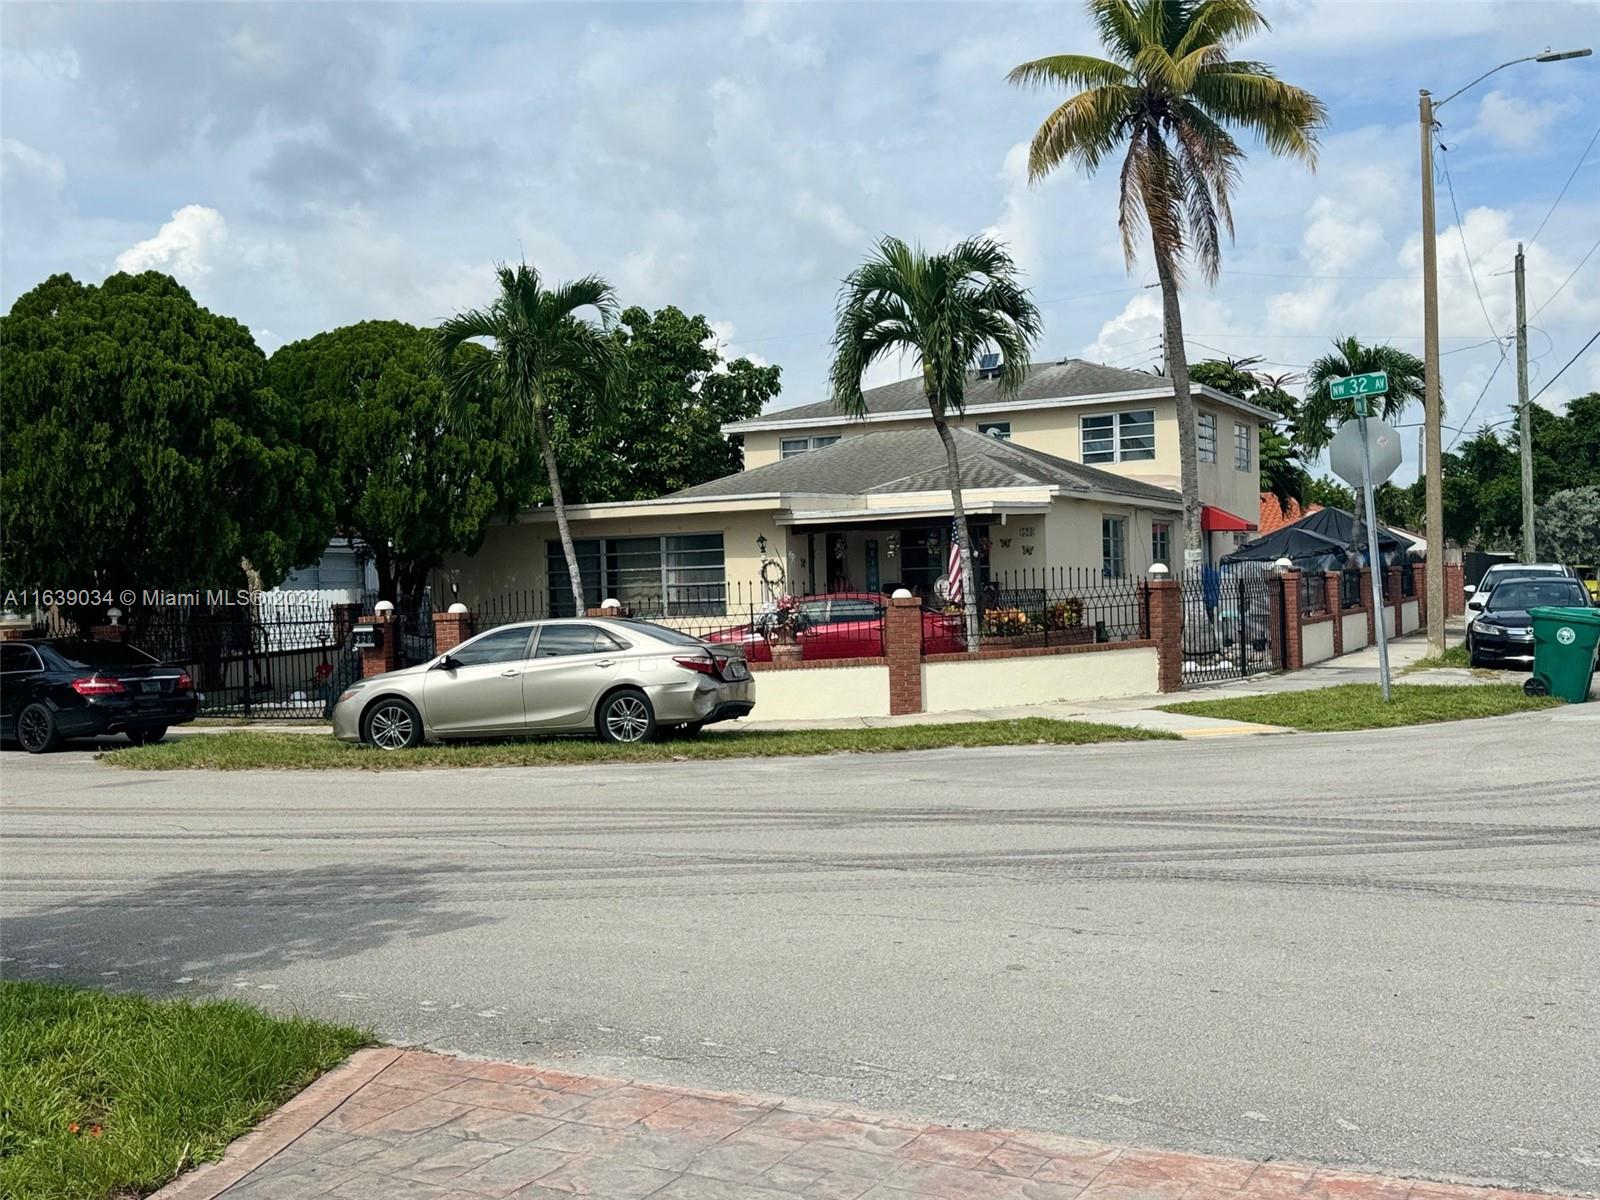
(624, 680)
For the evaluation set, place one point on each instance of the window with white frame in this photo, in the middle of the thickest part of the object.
(1241, 445)
(1118, 437)
(791, 446)
(996, 429)
(1114, 546)
(1161, 542)
(1205, 440)
(675, 575)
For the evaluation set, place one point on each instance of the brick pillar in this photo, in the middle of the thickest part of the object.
(1292, 656)
(387, 656)
(1331, 582)
(1420, 579)
(109, 633)
(450, 629)
(1396, 600)
(1366, 603)
(344, 616)
(615, 614)
(902, 647)
(1455, 596)
(1166, 630)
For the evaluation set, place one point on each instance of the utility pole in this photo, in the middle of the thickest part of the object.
(1526, 421)
(1432, 405)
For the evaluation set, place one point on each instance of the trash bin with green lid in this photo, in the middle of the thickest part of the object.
(1564, 649)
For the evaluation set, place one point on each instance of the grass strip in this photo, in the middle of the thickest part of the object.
(246, 750)
(113, 1095)
(1361, 706)
(1454, 656)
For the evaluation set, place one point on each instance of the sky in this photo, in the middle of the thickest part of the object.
(306, 166)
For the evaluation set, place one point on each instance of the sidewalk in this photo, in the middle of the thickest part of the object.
(409, 1125)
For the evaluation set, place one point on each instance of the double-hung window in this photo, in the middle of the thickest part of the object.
(1114, 546)
(1241, 445)
(1161, 542)
(790, 446)
(1205, 440)
(1118, 437)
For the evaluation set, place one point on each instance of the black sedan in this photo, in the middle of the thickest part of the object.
(1504, 629)
(60, 688)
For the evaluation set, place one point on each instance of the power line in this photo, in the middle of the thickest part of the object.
(1479, 400)
(1563, 370)
(1564, 187)
(1465, 253)
(1567, 280)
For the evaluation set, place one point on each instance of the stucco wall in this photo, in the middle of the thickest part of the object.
(1410, 616)
(1388, 620)
(1316, 641)
(1355, 630)
(1042, 679)
(806, 694)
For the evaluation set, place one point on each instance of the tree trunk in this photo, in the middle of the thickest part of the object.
(1178, 375)
(557, 503)
(383, 563)
(969, 590)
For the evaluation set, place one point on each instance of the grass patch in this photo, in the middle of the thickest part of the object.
(1361, 706)
(1454, 656)
(299, 751)
(104, 1095)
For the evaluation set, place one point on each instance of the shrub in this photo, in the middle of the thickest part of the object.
(1065, 614)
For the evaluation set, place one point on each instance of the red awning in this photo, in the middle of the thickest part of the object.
(1220, 520)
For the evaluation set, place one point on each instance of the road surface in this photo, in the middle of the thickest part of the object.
(1376, 950)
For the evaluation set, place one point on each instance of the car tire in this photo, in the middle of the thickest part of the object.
(392, 724)
(147, 737)
(626, 718)
(36, 729)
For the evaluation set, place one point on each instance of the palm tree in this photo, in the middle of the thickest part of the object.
(944, 310)
(1168, 93)
(1320, 414)
(537, 336)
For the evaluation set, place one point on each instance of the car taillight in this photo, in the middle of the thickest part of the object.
(97, 686)
(184, 684)
(706, 666)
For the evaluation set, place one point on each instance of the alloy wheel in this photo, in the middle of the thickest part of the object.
(33, 728)
(627, 720)
(391, 728)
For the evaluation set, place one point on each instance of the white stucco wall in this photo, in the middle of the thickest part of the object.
(1043, 679)
(1410, 618)
(803, 694)
(1355, 630)
(1388, 620)
(1316, 641)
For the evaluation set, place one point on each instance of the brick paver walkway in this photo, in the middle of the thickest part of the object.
(428, 1127)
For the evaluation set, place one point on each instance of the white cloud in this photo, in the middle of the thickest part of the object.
(1517, 124)
(183, 247)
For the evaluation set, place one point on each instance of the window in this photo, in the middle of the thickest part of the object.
(1241, 446)
(1114, 546)
(853, 610)
(559, 641)
(656, 576)
(1161, 542)
(101, 654)
(14, 657)
(996, 429)
(789, 447)
(509, 644)
(1205, 437)
(1119, 437)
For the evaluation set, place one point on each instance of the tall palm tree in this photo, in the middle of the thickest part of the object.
(944, 310)
(1167, 91)
(1320, 414)
(537, 335)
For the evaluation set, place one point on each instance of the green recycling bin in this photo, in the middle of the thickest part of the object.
(1564, 642)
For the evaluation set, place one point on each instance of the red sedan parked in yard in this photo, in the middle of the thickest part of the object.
(841, 625)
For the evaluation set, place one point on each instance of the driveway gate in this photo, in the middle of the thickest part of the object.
(1227, 623)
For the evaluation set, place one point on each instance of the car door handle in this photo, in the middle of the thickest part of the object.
(511, 672)
(605, 662)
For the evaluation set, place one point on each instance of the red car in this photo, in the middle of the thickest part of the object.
(842, 625)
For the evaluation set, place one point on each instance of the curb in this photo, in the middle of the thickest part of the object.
(297, 1117)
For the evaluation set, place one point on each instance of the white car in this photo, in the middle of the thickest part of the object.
(1477, 595)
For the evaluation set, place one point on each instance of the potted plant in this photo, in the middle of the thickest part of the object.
(1064, 621)
(782, 624)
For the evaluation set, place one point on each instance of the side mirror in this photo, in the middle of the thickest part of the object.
(447, 663)
(1469, 589)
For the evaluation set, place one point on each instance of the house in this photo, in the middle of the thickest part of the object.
(1078, 469)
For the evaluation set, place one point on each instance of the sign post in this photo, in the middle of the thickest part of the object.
(1359, 388)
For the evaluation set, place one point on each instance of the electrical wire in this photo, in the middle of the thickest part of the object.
(1564, 187)
(1465, 253)
(1479, 400)
(1567, 280)
(1569, 362)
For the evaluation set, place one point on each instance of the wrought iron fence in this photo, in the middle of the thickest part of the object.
(1313, 593)
(1350, 588)
(1227, 622)
(1058, 606)
(1408, 581)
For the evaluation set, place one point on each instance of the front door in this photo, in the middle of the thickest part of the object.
(482, 692)
(573, 663)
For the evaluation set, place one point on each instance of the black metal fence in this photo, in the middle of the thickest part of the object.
(1227, 622)
(1313, 593)
(1350, 588)
(1058, 606)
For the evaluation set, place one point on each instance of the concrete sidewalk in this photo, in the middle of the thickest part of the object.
(410, 1125)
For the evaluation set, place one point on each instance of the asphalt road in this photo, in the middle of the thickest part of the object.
(1376, 950)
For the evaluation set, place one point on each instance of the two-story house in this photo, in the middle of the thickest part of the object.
(1077, 469)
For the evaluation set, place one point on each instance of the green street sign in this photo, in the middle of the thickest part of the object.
(1362, 408)
(1354, 386)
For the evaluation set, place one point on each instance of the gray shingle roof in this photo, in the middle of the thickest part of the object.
(912, 460)
(1046, 381)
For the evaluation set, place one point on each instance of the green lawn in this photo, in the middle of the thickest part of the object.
(1361, 706)
(248, 750)
(104, 1095)
(1454, 656)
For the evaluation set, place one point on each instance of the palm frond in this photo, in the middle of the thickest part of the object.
(1286, 118)
(1121, 26)
(1070, 70)
(1222, 22)
(1086, 129)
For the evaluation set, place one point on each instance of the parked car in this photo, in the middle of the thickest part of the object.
(1476, 595)
(1503, 629)
(623, 680)
(1590, 577)
(56, 688)
(839, 625)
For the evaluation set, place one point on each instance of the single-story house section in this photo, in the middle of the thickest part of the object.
(868, 513)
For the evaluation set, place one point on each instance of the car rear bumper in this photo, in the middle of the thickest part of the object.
(105, 716)
(698, 699)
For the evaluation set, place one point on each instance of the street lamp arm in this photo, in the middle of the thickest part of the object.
(1438, 104)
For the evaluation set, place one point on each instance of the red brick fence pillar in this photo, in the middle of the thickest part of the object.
(1366, 603)
(451, 628)
(1166, 630)
(1333, 581)
(1396, 600)
(385, 656)
(902, 650)
(1291, 655)
(1455, 595)
(1419, 576)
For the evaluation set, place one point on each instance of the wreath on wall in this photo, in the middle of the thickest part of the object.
(772, 573)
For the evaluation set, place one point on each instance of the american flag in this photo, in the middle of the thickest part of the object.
(953, 574)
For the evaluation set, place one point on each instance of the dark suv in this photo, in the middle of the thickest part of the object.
(65, 688)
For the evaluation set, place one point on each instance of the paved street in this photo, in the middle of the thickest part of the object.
(1370, 951)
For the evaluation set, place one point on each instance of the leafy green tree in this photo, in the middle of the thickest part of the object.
(405, 480)
(144, 448)
(1567, 526)
(1321, 415)
(1566, 446)
(1329, 493)
(944, 310)
(1165, 96)
(539, 343)
(663, 429)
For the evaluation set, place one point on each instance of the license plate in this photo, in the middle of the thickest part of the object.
(737, 670)
(150, 686)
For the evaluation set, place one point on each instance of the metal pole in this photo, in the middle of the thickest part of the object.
(1526, 428)
(1374, 563)
(1432, 404)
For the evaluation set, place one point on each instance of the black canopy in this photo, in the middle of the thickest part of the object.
(1321, 541)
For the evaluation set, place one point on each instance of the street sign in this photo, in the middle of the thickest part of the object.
(1375, 383)
(1383, 444)
(1361, 407)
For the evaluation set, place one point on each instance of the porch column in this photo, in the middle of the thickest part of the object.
(902, 649)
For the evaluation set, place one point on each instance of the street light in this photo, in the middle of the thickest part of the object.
(1432, 409)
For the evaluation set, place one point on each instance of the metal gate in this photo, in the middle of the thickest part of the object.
(1227, 623)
